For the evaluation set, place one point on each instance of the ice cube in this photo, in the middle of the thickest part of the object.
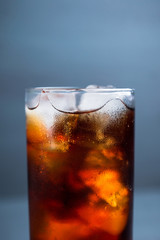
(63, 101)
(107, 185)
(95, 159)
(92, 86)
(44, 111)
(97, 86)
(96, 97)
(32, 99)
(109, 188)
(67, 229)
(128, 99)
(36, 130)
(104, 219)
(108, 203)
(92, 101)
(63, 130)
(115, 153)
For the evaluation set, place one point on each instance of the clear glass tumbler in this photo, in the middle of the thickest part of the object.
(80, 147)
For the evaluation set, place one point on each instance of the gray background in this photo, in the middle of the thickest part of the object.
(76, 43)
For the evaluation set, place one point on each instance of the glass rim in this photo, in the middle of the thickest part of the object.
(77, 89)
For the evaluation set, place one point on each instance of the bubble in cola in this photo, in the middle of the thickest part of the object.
(80, 163)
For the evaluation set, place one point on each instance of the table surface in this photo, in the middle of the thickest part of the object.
(14, 217)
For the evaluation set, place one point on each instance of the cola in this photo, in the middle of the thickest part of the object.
(80, 167)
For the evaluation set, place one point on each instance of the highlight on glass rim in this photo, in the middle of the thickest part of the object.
(80, 148)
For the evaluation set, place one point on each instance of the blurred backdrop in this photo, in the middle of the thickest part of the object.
(76, 43)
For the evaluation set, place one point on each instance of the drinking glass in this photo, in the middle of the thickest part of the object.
(80, 148)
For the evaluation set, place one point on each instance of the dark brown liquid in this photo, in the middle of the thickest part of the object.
(80, 176)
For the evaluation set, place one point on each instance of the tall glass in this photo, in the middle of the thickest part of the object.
(80, 145)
